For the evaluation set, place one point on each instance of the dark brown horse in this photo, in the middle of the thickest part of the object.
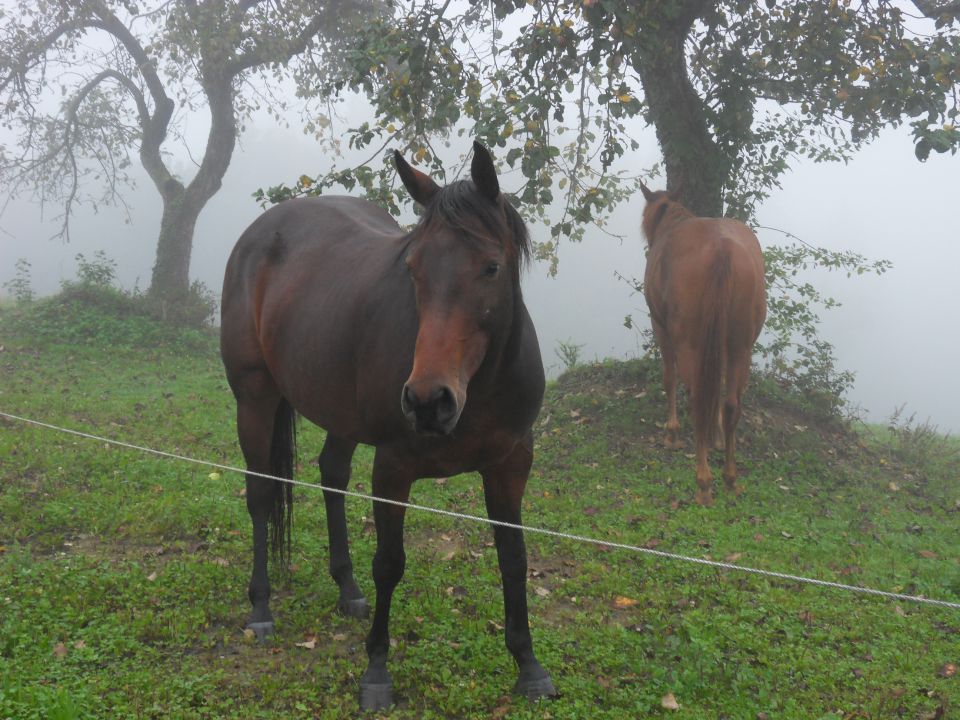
(417, 343)
(705, 289)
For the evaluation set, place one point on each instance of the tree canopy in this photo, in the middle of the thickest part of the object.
(736, 91)
(86, 85)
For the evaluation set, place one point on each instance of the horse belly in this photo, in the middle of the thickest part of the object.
(312, 346)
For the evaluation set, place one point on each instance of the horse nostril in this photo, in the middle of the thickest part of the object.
(407, 400)
(445, 404)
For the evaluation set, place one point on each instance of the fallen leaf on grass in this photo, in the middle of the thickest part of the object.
(669, 702)
(60, 650)
(449, 556)
(948, 670)
(652, 543)
(249, 635)
(621, 601)
(733, 557)
(80, 645)
(589, 511)
(339, 637)
(503, 708)
(152, 576)
(928, 554)
(308, 644)
(541, 591)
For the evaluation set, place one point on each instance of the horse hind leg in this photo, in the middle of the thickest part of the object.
(259, 409)
(335, 473)
(704, 495)
(736, 382)
(671, 439)
(687, 368)
(719, 434)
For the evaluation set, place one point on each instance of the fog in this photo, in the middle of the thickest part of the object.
(898, 333)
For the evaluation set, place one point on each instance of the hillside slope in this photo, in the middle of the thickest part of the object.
(123, 576)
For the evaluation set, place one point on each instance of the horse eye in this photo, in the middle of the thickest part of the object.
(491, 270)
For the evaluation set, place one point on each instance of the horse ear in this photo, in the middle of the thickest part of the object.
(483, 173)
(646, 191)
(420, 186)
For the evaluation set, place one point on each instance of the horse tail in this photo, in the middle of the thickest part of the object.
(713, 334)
(282, 453)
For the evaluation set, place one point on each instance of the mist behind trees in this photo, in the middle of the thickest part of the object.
(897, 332)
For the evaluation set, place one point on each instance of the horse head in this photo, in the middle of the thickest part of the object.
(464, 260)
(658, 203)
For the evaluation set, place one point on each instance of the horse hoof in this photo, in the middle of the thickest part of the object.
(535, 688)
(735, 488)
(262, 630)
(704, 498)
(355, 608)
(376, 696)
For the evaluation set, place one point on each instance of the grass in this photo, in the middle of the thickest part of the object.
(123, 576)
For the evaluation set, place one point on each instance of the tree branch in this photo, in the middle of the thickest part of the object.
(260, 56)
(154, 131)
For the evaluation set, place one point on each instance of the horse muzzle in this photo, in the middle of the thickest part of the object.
(432, 409)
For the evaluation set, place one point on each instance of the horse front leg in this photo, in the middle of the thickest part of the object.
(392, 483)
(503, 487)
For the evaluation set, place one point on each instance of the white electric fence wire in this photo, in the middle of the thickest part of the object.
(525, 528)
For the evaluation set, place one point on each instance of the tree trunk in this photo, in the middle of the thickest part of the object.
(694, 162)
(182, 205)
(171, 271)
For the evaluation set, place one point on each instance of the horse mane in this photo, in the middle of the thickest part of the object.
(662, 209)
(460, 205)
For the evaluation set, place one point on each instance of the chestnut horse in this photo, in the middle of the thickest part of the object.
(417, 343)
(704, 287)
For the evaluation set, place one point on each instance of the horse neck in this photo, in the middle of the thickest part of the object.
(670, 214)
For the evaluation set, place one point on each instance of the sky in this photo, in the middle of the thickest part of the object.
(898, 333)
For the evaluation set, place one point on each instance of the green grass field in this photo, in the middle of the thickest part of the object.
(123, 576)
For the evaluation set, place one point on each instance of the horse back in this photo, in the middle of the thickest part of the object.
(685, 258)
